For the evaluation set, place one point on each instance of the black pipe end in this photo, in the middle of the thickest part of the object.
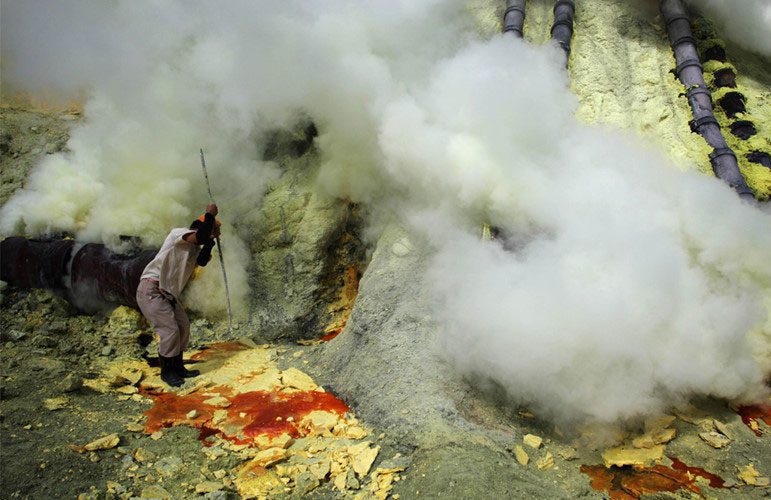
(759, 157)
(715, 53)
(743, 129)
(732, 103)
(725, 78)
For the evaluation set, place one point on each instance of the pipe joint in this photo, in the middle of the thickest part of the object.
(514, 29)
(697, 123)
(686, 64)
(678, 17)
(568, 23)
(684, 39)
(699, 89)
(514, 8)
(719, 152)
(560, 3)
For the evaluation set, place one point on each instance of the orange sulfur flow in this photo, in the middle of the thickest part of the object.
(627, 483)
(751, 414)
(249, 414)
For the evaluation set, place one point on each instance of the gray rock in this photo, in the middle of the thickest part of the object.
(71, 383)
(351, 481)
(107, 350)
(168, 466)
(295, 254)
(14, 335)
(305, 483)
(44, 342)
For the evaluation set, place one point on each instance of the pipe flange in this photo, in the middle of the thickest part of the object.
(684, 39)
(718, 152)
(514, 8)
(569, 3)
(568, 23)
(699, 89)
(697, 123)
(678, 17)
(518, 31)
(694, 91)
(687, 63)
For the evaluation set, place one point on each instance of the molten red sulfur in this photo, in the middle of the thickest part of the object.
(626, 483)
(249, 415)
(714, 481)
(171, 409)
(218, 350)
(753, 413)
(268, 412)
(331, 335)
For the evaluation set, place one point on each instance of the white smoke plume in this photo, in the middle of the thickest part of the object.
(746, 22)
(624, 286)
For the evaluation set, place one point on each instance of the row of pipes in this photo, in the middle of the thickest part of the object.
(688, 70)
(561, 29)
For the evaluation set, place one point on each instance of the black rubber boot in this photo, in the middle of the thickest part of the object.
(179, 366)
(169, 373)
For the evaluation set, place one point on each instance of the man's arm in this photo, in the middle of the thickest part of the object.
(204, 255)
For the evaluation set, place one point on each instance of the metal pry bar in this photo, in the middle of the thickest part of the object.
(219, 247)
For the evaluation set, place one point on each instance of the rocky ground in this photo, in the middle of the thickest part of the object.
(81, 416)
(25, 136)
(81, 419)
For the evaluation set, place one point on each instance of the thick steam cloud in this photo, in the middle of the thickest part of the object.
(746, 22)
(621, 285)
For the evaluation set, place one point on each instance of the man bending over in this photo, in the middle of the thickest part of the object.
(162, 283)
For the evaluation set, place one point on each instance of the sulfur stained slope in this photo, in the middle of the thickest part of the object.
(620, 69)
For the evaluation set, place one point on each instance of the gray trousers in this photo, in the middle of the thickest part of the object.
(166, 315)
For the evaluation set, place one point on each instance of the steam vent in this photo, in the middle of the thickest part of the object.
(459, 249)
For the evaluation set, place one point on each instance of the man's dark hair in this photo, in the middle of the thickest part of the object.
(196, 224)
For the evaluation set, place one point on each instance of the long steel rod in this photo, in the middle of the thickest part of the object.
(219, 247)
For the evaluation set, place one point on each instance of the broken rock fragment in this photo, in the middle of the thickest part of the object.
(218, 401)
(208, 487)
(521, 455)
(654, 437)
(53, 404)
(103, 443)
(532, 441)
(362, 457)
(156, 492)
(296, 379)
(268, 457)
(305, 483)
(545, 462)
(749, 475)
(714, 439)
(722, 428)
(256, 482)
(319, 423)
(622, 456)
(320, 468)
